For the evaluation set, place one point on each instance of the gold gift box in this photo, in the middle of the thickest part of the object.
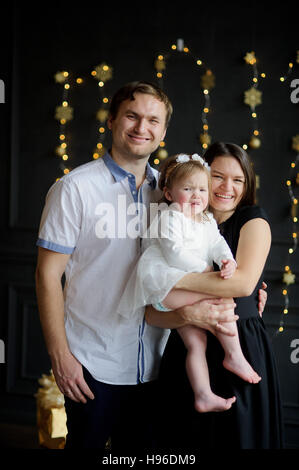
(51, 416)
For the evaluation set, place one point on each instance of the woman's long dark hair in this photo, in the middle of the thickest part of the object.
(226, 149)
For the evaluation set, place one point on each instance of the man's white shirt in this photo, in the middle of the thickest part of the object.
(94, 215)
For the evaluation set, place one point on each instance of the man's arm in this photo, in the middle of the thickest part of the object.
(67, 370)
(210, 314)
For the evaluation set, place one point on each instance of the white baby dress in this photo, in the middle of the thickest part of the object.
(173, 246)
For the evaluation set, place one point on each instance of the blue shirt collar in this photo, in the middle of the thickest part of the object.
(119, 173)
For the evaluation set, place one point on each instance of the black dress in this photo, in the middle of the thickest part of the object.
(255, 419)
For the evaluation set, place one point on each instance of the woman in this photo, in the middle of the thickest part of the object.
(255, 420)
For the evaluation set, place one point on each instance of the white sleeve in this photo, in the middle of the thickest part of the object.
(61, 218)
(172, 244)
(219, 248)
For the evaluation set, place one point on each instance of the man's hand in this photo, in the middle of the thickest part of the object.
(69, 377)
(262, 298)
(210, 314)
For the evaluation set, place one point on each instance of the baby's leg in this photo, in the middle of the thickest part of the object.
(234, 359)
(195, 340)
(177, 298)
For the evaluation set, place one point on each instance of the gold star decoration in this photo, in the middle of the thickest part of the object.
(64, 113)
(208, 80)
(254, 142)
(102, 72)
(294, 210)
(295, 143)
(253, 97)
(205, 139)
(289, 278)
(162, 154)
(60, 77)
(160, 63)
(250, 58)
(102, 115)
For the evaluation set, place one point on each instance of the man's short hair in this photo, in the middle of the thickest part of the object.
(127, 93)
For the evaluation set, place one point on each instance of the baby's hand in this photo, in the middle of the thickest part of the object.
(228, 268)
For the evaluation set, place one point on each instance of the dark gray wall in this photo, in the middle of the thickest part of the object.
(39, 41)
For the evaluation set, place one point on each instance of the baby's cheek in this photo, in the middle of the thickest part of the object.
(183, 199)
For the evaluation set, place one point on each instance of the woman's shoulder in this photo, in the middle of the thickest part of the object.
(246, 213)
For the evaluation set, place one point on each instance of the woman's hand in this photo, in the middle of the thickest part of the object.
(210, 314)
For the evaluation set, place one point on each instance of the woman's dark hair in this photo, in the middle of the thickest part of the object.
(226, 149)
(127, 93)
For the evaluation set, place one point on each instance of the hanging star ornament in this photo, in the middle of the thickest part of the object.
(102, 115)
(160, 64)
(253, 97)
(295, 143)
(64, 112)
(289, 278)
(205, 139)
(103, 72)
(250, 58)
(208, 80)
(60, 77)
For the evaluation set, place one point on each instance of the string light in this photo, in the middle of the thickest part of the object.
(64, 114)
(102, 73)
(288, 277)
(288, 73)
(207, 84)
(253, 97)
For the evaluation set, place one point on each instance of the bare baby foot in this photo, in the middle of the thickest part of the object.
(240, 366)
(210, 402)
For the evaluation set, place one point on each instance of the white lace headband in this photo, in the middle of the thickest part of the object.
(183, 158)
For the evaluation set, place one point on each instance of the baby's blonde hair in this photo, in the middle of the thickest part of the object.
(172, 171)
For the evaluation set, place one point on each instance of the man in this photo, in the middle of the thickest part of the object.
(105, 366)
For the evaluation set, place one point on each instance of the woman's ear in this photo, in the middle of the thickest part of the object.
(167, 194)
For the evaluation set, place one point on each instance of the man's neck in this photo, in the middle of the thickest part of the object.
(135, 165)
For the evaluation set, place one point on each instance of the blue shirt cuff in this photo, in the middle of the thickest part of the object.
(67, 250)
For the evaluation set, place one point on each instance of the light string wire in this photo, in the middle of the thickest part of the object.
(207, 84)
(292, 184)
(64, 113)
